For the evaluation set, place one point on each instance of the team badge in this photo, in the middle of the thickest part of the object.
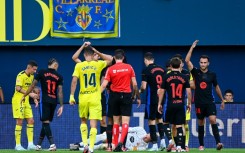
(83, 18)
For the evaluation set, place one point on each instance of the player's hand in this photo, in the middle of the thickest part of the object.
(194, 43)
(139, 103)
(36, 102)
(86, 43)
(188, 108)
(60, 110)
(159, 108)
(33, 95)
(222, 106)
(72, 100)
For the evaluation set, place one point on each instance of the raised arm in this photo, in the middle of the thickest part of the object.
(106, 57)
(188, 56)
(78, 52)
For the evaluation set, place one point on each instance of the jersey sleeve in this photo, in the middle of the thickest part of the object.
(38, 75)
(143, 75)
(215, 82)
(76, 72)
(102, 64)
(61, 81)
(107, 75)
(19, 80)
(132, 72)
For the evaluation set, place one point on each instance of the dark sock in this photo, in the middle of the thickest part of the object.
(109, 134)
(160, 130)
(102, 129)
(183, 144)
(48, 133)
(201, 135)
(216, 133)
(167, 131)
(41, 137)
(153, 133)
(179, 136)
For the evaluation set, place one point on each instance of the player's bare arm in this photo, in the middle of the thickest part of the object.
(160, 93)
(143, 86)
(188, 91)
(29, 91)
(78, 52)
(60, 96)
(72, 100)
(219, 93)
(106, 57)
(136, 90)
(103, 85)
(188, 56)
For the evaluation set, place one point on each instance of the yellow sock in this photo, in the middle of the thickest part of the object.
(92, 138)
(29, 132)
(187, 134)
(84, 133)
(17, 134)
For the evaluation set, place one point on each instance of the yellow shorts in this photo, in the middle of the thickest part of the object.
(21, 110)
(188, 116)
(91, 110)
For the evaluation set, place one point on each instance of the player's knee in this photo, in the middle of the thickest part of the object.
(30, 121)
(103, 123)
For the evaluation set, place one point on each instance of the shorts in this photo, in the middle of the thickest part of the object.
(175, 114)
(121, 103)
(21, 110)
(90, 109)
(205, 110)
(151, 112)
(46, 111)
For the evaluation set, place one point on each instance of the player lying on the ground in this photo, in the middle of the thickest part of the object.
(137, 139)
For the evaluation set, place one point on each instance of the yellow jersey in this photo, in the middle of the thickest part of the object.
(89, 76)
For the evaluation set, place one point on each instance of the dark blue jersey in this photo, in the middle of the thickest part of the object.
(49, 79)
(204, 83)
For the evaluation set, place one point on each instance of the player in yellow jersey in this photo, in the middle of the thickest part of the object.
(88, 72)
(23, 110)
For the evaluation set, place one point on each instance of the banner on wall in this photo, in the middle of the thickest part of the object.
(85, 19)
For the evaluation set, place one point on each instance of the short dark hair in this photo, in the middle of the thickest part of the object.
(175, 62)
(168, 64)
(32, 63)
(88, 50)
(149, 56)
(179, 56)
(228, 91)
(119, 54)
(51, 61)
(204, 56)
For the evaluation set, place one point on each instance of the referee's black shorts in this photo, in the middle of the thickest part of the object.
(121, 103)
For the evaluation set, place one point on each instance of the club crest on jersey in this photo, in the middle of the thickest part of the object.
(83, 18)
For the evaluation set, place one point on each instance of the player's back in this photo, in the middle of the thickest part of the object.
(153, 76)
(89, 75)
(49, 79)
(175, 84)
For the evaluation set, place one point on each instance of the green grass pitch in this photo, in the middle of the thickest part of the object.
(235, 150)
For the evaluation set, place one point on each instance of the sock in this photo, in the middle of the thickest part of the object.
(109, 134)
(102, 129)
(201, 135)
(175, 140)
(160, 130)
(183, 144)
(41, 137)
(153, 133)
(167, 131)
(216, 133)
(84, 133)
(48, 133)
(187, 135)
(179, 137)
(125, 140)
(124, 132)
(115, 133)
(92, 137)
(29, 132)
(17, 133)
